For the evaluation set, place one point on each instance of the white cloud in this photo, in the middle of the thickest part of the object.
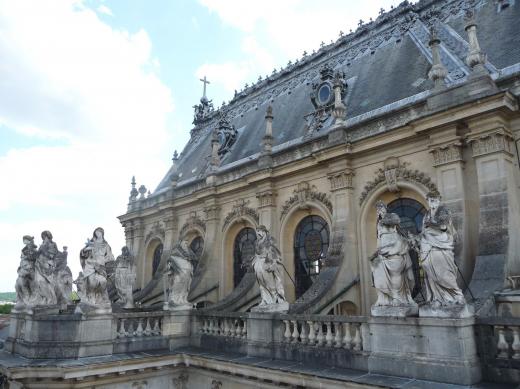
(66, 74)
(103, 9)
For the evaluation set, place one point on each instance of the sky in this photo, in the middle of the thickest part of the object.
(94, 92)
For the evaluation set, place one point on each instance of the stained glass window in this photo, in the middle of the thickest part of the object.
(244, 249)
(157, 258)
(311, 242)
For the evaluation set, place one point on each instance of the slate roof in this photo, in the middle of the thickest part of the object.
(384, 61)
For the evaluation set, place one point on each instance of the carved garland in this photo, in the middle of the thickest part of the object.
(193, 222)
(390, 177)
(305, 193)
(241, 209)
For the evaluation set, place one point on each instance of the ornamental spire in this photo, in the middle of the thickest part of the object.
(476, 58)
(437, 72)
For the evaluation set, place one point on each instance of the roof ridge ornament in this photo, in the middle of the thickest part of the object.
(205, 108)
(438, 71)
(475, 58)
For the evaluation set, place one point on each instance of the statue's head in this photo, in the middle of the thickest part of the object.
(99, 233)
(46, 235)
(391, 221)
(380, 208)
(261, 232)
(125, 251)
(184, 244)
(27, 239)
(434, 199)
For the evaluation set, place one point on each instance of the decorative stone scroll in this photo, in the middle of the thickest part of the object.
(390, 177)
(194, 222)
(302, 195)
(240, 208)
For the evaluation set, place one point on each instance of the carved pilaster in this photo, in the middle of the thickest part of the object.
(341, 180)
(266, 199)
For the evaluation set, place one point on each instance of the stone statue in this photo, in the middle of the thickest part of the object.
(44, 278)
(392, 268)
(25, 282)
(93, 257)
(62, 278)
(177, 278)
(125, 278)
(268, 267)
(444, 298)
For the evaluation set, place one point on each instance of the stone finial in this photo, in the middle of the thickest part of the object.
(475, 58)
(437, 72)
(133, 192)
(268, 137)
(340, 109)
(215, 145)
(142, 192)
(175, 156)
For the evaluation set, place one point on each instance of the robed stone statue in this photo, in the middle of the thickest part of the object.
(125, 277)
(178, 276)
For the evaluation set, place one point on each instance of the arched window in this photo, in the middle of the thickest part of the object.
(197, 246)
(243, 251)
(157, 258)
(311, 242)
(411, 213)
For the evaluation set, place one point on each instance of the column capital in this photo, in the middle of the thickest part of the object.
(342, 179)
(266, 198)
(498, 141)
(447, 153)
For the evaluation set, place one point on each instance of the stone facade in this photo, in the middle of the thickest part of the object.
(308, 152)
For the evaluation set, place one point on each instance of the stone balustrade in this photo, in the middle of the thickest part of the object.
(507, 341)
(323, 331)
(138, 325)
(231, 325)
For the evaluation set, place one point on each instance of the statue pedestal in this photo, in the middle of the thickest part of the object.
(391, 311)
(433, 349)
(454, 311)
(48, 334)
(270, 308)
(87, 309)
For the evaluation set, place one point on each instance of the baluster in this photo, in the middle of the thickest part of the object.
(202, 325)
(236, 328)
(502, 345)
(287, 333)
(347, 339)
(516, 343)
(157, 327)
(122, 332)
(244, 329)
(130, 331)
(211, 326)
(357, 338)
(304, 336)
(225, 325)
(312, 333)
(295, 334)
(328, 337)
(320, 338)
(148, 329)
(206, 325)
(139, 330)
(337, 335)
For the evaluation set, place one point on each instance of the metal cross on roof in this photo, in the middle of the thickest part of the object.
(205, 81)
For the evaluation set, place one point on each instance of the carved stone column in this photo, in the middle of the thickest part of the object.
(493, 150)
(343, 239)
(446, 147)
(213, 240)
(267, 209)
(171, 231)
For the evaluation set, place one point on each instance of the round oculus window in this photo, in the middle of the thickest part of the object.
(324, 94)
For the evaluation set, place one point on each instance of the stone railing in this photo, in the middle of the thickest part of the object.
(499, 348)
(231, 325)
(323, 331)
(136, 325)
